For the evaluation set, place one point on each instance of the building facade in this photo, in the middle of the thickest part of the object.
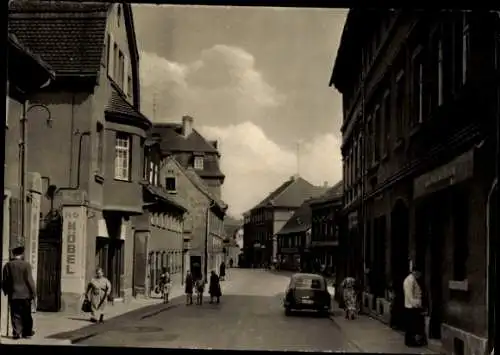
(420, 110)
(204, 219)
(89, 150)
(26, 75)
(266, 219)
(192, 150)
(158, 233)
(325, 232)
(294, 241)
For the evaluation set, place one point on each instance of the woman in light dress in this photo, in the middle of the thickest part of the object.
(98, 290)
(350, 298)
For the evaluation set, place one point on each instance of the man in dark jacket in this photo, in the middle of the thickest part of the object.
(19, 287)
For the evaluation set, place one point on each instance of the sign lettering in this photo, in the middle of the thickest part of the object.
(71, 248)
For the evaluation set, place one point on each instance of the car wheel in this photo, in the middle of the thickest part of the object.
(288, 312)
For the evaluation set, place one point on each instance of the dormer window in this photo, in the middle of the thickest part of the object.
(198, 163)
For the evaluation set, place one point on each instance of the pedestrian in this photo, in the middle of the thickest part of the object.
(222, 271)
(413, 309)
(165, 284)
(231, 263)
(98, 291)
(349, 295)
(19, 287)
(188, 288)
(214, 288)
(200, 288)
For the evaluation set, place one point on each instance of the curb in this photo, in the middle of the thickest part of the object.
(353, 342)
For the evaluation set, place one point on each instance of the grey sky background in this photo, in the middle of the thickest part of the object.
(254, 78)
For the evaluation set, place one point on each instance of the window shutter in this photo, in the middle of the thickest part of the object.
(111, 56)
(125, 75)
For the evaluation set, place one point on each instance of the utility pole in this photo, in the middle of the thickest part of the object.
(154, 107)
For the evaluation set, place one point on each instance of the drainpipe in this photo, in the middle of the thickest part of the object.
(207, 234)
(489, 267)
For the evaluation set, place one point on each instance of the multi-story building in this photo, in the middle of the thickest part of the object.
(325, 231)
(420, 108)
(26, 75)
(294, 241)
(89, 149)
(267, 218)
(204, 220)
(158, 232)
(191, 149)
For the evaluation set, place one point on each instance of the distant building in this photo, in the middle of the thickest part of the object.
(418, 148)
(88, 151)
(266, 218)
(192, 150)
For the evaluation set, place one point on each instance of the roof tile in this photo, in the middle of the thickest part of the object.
(118, 104)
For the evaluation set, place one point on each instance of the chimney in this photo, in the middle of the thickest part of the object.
(325, 184)
(187, 125)
(215, 144)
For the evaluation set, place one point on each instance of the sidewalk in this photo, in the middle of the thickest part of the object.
(47, 324)
(370, 335)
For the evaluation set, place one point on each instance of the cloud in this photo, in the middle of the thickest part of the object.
(226, 94)
(222, 83)
(255, 165)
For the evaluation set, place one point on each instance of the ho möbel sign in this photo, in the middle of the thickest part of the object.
(71, 219)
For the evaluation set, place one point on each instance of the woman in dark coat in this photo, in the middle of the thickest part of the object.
(214, 288)
(188, 288)
(222, 271)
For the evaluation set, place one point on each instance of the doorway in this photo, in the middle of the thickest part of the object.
(49, 267)
(399, 259)
(109, 257)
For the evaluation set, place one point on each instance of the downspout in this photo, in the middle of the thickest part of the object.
(207, 234)
(79, 160)
(488, 259)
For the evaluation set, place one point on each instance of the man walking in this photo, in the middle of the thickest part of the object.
(19, 287)
(413, 309)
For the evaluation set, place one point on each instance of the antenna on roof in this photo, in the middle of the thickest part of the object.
(154, 107)
(299, 142)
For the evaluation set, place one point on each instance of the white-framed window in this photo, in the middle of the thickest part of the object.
(198, 163)
(440, 72)
(123, 156)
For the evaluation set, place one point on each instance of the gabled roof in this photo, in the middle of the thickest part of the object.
(173, 141)
(335, 193)
(199, 183)
(292, 193)
(300, 221)
(67, 35)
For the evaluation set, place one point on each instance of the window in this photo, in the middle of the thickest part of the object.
(115, 61)
(170, 184)
(121, 70)
(122, 156)
(129, 86)
(100, 147)
(118, 15)
(386, 114)
(198, 163)
(378, 132)
(400, 103)
(417, 86)
(440, 82)
(465, 47)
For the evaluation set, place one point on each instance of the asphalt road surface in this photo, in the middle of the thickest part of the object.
(249, 317)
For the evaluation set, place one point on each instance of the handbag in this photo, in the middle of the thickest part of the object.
(86, 306)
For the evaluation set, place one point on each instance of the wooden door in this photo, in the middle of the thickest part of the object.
(49, 276)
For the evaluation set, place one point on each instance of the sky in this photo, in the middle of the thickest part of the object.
(255, 79)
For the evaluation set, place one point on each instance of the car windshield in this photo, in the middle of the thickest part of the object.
(309, 283)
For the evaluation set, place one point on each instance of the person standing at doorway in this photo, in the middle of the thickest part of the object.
(188, 288)
(214, 288)
(98, 291)
(19, 287)
(222, 271)
(413, 308)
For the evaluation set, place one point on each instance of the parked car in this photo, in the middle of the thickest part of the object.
(307, 292)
